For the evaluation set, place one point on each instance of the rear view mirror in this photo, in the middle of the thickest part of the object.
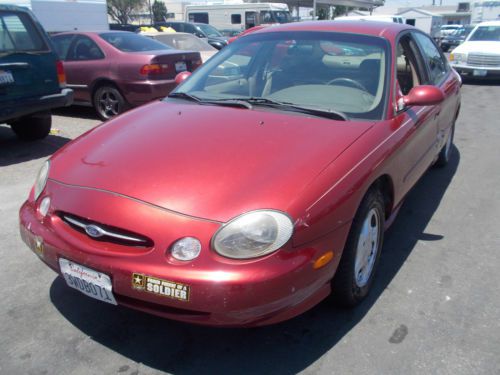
(181, 77)
(424, 95)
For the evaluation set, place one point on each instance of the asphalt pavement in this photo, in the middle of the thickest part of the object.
(435, 307)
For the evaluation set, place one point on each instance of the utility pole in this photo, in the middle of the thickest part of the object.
(150, 12)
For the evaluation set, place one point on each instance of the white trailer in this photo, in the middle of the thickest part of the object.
(64, 15)
(424, 20)
(238, 17)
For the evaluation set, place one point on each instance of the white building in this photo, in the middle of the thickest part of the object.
(485, 11)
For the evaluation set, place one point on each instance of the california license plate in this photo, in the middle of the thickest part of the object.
(88, 281)
(180, 66)
(6, 77)
(479, 73)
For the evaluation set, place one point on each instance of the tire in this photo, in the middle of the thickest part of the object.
(33, 127)
(357, 267)
(108, 102)
(444, 154)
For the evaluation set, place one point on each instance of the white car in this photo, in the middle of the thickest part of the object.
(449, 29)
(184, 41)
(479, 55)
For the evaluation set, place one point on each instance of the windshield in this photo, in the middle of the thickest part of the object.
(209, 30)
(130, 42)
(325, 71)
(486, 33)
(274, 16)
(183, 42)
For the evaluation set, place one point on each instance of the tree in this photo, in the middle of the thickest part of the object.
(159, 11)
(120, 10)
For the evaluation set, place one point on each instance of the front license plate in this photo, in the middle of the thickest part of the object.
(6, 77)
(479, 73)
(180, 66)
(88, 281)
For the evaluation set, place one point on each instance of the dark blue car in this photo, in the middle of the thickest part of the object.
(32, 79)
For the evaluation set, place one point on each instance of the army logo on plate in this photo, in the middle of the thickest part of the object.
(165, 288)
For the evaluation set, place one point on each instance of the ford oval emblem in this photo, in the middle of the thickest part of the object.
(94, 231)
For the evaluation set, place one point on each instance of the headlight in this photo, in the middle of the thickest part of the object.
(41, 179)
(253, 234)
(458, 57)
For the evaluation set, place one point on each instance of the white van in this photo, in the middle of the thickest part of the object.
(238, 17)
(380, 18)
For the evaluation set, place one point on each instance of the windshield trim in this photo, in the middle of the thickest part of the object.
(379, 113)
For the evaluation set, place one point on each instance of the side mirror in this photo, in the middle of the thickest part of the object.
(424, 95)
(181, 77)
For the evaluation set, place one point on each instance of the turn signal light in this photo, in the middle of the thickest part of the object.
(61, 76)
(154, 69)
(323, 260)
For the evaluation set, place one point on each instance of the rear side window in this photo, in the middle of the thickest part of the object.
(435, 61)
(84, 48)
(198, 17)
(18, 33)
(130, 42)
(62, 43)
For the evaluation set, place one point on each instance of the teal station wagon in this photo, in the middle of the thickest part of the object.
(32, 79)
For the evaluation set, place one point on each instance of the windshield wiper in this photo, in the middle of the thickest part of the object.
(228, 102)
(250, 102)
(184, 95)
(328, 113)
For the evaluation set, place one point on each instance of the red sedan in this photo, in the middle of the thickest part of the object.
(115, 70)
(262, 184)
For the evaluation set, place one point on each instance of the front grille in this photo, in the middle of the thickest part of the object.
(483, 59)
(102, 232)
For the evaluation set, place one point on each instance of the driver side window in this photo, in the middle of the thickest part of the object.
(408, 71)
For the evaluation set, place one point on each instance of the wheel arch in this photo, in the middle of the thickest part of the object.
(385, 185)
(100, 82)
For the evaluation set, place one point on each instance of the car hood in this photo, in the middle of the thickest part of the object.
(206, 161)
(479, 46)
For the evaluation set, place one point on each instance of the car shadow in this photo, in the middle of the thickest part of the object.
(481, 81)
(83, 112)
(14, 151)
(284, 348)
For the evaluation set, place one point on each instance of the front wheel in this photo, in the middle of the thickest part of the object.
(108, 102)
(33, 127)
(356, 270)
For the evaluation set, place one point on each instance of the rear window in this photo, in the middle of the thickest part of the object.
(130, 42)
(18, 33)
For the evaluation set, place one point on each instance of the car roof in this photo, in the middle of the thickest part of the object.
(13, 8)
(388, 30)
(489, 23)
(94, 32)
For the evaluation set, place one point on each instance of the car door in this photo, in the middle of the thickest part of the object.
(83, 59)
(417, 124)
(441, 75)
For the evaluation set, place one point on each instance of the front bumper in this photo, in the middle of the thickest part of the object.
(141, 92)
(15, 110)
(223, 292)
(476, 71)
